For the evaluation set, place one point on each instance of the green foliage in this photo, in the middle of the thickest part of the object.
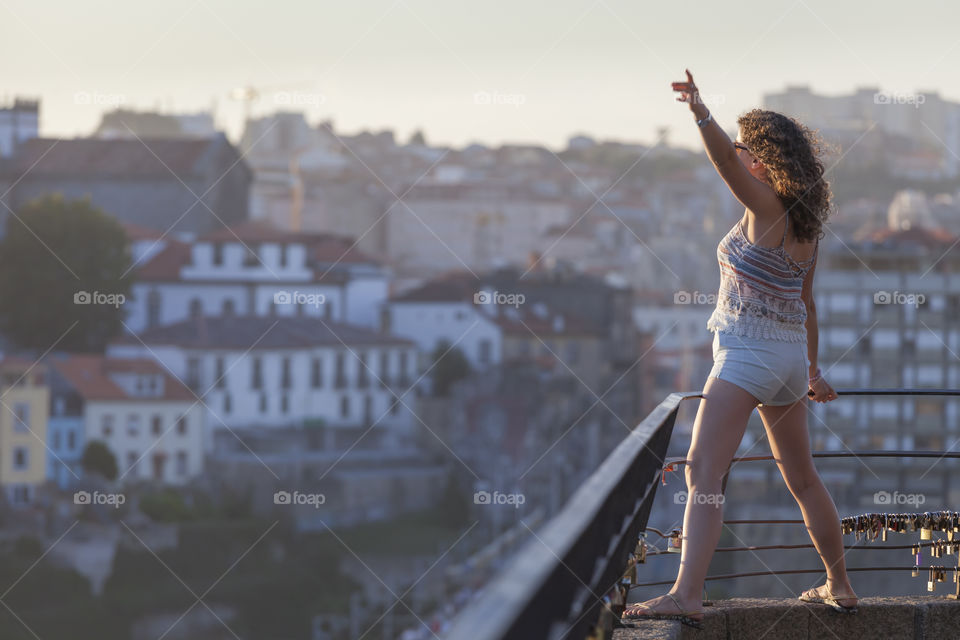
(97, 458)
(450, 366)
(53, 249)
(167, 505)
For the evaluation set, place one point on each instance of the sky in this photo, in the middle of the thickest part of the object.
(494, 72)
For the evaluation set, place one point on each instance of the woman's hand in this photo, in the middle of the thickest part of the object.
(691, 95)
(821, 390)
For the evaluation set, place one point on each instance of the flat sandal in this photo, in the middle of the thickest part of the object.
(682, 616)
(830, 600)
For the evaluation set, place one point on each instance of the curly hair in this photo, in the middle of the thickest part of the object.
(791, 153)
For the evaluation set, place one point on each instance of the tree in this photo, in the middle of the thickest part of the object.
(63, 276)
(451, 365)
(97, 458)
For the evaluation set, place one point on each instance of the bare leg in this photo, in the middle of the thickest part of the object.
(790, 444)
(717, 431)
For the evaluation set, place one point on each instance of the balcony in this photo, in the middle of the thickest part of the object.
(572, 579)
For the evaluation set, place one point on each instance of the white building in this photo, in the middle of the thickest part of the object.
(286, 371)
(252, 269)
(443, 311)
(149, 420)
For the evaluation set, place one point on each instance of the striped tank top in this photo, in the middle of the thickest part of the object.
(760, 289)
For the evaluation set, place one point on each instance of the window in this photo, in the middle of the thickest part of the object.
(220, 381)
(21, 494)
(284, 403)
(59, 406)
(340, 375)
(229, 307)
(56, 440)
(196, 308)
(217, 254)
(285, 373)
(153, 308)
(156, 424)
(263, 403)
(403, 368)
(106, 425)
(227, 403)
(21, 458)
(182, 425)
(363, 380)
(395, 407)
(132, 459)
(384, 368)
(256, 370)
(345, 406)
(133, 425)
(71, 441)
(283, 255)
(316, 373)
(21, 413)
(485, 349)
(159, 461)
(181, 463)
(193, 373)
(367, 410)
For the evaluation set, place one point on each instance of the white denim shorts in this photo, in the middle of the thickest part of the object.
(775, 372)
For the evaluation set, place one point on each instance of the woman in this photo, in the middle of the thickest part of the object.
(765, 347)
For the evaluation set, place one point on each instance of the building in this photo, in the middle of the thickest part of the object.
(285, 371)
(18, 123)
(887, 307)
(252, 268)
(127, 123)
(148, 419)
(168, 184)
(24, 398)
(478, 225)
(917, 124)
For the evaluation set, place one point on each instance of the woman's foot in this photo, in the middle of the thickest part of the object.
(668, 606)
(840, 598)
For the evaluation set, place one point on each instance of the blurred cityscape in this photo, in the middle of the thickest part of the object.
(351, 374)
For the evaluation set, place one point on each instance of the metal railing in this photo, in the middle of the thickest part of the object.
(556, 585)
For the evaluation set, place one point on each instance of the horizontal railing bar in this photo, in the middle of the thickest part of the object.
(843, 454)
(800, 546)
(869, 392)
(779, 572)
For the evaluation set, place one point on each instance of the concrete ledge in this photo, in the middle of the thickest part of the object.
(917, 617)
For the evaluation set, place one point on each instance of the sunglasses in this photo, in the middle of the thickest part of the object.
(740, 145)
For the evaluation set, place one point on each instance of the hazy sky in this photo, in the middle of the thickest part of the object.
(550, 68)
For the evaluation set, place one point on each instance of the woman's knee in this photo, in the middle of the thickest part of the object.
(801, 480)
(702, 473)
